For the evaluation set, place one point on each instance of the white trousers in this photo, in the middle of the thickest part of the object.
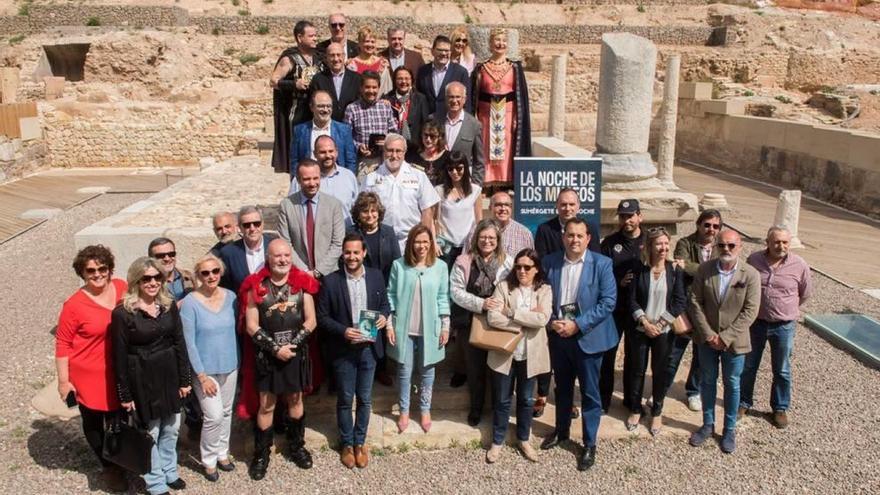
(217, 417)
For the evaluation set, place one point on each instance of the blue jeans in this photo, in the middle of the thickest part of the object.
(354, 378)
(569, 362)
(414, 354)
(164, 454)
(502, 390)
(731, 370)
(781, 338)
(676, 352)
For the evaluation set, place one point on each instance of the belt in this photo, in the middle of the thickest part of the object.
(493, 98)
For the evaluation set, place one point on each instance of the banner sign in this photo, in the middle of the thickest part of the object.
(537, 182)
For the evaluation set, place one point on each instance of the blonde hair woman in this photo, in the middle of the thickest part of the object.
(368, 60)
(461, 49)
(151, 365)
(208, 318)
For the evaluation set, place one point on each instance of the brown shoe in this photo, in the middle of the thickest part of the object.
(538, 408)
(361, 456)
(780, 420)
(347, 456)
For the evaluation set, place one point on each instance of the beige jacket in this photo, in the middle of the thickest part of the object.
(532, 323)
(729, 318)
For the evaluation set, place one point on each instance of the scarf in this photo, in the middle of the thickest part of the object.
(400, 104)
(484, 285)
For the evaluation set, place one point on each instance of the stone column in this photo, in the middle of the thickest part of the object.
(556, 125)
(669, 114)
(788, 212)
(478, 37)
(626, 89)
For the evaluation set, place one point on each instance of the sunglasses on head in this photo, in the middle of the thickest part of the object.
(169, 254)
(710, 225)
(213, 271)
(247, 225)
(103, 270)
(729, 245)
(149, 278)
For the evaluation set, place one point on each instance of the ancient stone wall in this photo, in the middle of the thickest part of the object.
(829, 163)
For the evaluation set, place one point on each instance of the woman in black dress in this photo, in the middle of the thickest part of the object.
(152, 367)
(431, 156)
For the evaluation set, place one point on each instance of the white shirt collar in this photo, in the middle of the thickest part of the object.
(250, 251)
(575, 262)
(456, 121)
(325, 128)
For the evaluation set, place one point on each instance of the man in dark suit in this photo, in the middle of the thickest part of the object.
(305, 134)
(584, 295)
(464, 132)
(344, 295)
(248, 254)
(432, 78)
(337, 24)
(397, 55)
(406, 101)
(342, 84)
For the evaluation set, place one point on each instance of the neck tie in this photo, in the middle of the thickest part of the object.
(310, 233)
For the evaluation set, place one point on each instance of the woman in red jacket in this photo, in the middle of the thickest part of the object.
(82, 349)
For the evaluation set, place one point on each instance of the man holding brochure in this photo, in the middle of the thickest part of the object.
(580, 331)
(352, 308)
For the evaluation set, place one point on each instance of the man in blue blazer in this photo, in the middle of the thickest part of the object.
(344, 294)
(305, 134)
(584, 296)
(248, 254)
(433, 77)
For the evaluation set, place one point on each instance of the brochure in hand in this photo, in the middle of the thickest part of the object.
(367, 324)
(570, 311)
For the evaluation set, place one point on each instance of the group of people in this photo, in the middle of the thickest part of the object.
(392, 262)
(358, 95)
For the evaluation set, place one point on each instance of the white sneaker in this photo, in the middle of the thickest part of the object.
(694, 403)
(493, 453)
(528, 451)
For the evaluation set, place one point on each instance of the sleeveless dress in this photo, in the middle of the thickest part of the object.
(281, 316)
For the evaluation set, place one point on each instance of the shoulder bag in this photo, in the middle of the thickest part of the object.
(127, 445)
(491, 339)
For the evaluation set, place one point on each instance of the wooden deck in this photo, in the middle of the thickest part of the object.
(63, 189)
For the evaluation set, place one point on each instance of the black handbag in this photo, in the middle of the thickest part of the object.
(127, 445)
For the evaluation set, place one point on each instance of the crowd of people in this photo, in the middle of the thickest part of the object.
(383, 261)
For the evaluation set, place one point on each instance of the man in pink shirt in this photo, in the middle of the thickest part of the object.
(785, 285)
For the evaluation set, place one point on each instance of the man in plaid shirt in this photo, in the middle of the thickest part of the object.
(368, 116)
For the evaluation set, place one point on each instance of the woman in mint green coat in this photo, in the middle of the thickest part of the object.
(418, 290)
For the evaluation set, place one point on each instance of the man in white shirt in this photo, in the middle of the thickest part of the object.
(248, 254)
(464, 133)
(336, 181)
(406, 192)
(432, 78)
(397, 55)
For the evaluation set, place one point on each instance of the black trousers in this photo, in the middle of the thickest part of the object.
(635, 362)
(94, 425)
(622, 321)
(477, 370)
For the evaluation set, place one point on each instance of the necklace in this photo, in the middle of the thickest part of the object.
(496, 72)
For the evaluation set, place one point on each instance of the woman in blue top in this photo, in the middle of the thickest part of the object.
(418, 290)
(208, 317)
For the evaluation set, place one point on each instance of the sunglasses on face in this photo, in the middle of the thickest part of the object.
(150, 278)
(213, 271)
(103, 270)
(523, 268)
(247, 225)
(161, 256)
(462, 40)
(710, 225)
(337, 25)
(729, 245)
(456, 168)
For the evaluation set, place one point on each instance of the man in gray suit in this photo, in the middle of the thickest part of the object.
(463, 132)
(313, 223)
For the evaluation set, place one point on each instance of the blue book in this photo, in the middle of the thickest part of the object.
(367, 324)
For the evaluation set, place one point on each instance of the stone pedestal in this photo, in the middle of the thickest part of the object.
(714, 201)
(623, 123)
(669, 115)
(9, 82)
(54, 87)
(478, 36)
(556, 123)
(788, 212)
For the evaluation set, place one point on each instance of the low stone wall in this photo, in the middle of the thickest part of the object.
(833, 164)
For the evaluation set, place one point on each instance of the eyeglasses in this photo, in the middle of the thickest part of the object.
(502, 205)
(162, 256)
(729, 245)
(150, 278)
(213, 271)
(523, 268)
(710, 225)
(256, 224)
(103, 270)
(337, 25)
(487, 238)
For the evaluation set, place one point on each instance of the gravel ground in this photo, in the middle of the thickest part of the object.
(832, 446)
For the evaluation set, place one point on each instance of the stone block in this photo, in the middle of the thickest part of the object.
(724, 107)
(7, 152)
(829, 144)
(9, 82)
(30, 128)
(864, 151)
(54, 87)
(695, 91)
(798, 137)
(553, 147)
(757, 131)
